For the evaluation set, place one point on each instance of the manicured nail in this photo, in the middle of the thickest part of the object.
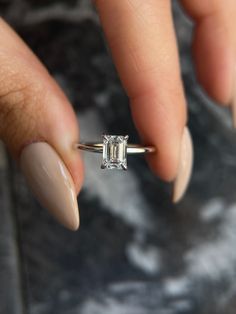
(185, 166)
(233, 102)
(51, 182)
(233, 108)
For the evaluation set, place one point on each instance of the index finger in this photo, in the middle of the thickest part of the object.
(143, 44)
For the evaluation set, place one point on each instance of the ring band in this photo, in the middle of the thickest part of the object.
(115, 149)
(131, 148)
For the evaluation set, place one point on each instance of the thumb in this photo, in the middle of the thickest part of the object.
(39, 127)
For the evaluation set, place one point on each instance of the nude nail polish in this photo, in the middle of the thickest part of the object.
(185, 166)
(233, 108)
(51, 182)
(233, 101)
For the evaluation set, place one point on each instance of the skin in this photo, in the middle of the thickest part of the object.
(142, 40)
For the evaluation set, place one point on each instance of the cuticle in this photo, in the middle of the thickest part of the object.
(27, 143)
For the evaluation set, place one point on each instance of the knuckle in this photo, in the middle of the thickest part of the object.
(19, 106)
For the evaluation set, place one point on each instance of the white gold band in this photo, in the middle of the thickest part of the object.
(131, 148)
(115, 149)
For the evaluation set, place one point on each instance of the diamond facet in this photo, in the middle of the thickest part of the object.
(114, 152)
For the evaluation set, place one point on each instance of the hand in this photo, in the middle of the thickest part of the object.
(39, 127)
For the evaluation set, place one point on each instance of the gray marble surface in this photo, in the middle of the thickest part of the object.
(135, 253)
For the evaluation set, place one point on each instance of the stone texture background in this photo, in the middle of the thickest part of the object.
(135, 252)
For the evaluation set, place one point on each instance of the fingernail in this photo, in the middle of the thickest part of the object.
(233, 108)
(185, 166)
(233, 101)
(51, 182)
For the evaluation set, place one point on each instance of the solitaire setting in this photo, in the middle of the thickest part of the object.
(114, 150)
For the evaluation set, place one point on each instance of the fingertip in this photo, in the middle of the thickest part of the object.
(73, 224)
(175, 164)
(51, 182)
(76, 168)
(165, 167)
(185, 166)
(64, 133)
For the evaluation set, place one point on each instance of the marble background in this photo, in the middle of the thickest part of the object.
(135, 252)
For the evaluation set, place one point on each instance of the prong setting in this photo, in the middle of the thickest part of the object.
(114, 152)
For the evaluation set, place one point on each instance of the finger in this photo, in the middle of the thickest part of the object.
(39, 127)
(142, 40)
(214, 47)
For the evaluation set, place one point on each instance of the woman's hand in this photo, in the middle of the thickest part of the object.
(39, 127)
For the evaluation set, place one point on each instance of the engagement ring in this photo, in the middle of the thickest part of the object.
(114, 150)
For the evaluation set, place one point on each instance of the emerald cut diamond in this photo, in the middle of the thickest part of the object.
(114, 152)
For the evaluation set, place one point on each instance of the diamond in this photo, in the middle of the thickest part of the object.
(114, 152)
